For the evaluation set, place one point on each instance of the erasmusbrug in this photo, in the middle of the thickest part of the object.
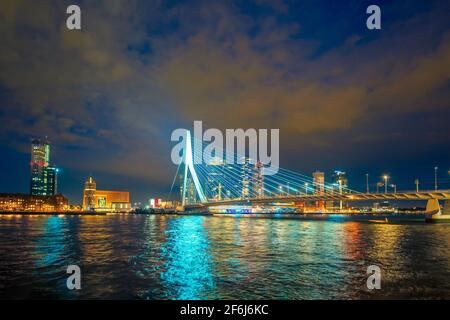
(208, 180)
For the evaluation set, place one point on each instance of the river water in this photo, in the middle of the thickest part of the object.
(210, 257)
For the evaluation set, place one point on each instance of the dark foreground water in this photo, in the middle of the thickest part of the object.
(200, 257)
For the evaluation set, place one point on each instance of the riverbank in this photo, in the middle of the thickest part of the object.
(64, 213)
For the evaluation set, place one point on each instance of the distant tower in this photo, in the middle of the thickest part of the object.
(246, 175)
(258, 179)
(51, 173)
(319, 187)
(88, 194)
(214, 187)
(319, 182)
(40, 158)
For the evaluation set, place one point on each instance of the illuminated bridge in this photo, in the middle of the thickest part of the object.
(208, 182)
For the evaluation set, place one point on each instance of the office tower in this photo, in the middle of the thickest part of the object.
(51, 175)
(44, 177)
(215, 178)
(340, 181)
(319, 182)
(258, 179)
(104, 200)
(319, 187)
(40, 158)
(246, 176)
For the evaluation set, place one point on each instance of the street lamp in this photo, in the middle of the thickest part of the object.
(367, 183)
(385, 178)
(435, 178)
(394, 186)
(417, 185)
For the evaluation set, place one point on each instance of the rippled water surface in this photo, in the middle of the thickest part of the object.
(206, 257)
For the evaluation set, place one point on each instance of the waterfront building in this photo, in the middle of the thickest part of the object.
(43, 175)
(340, 185)
(191, 194)
(340, 180)
(104, 200)
(319, 187)
(319, 182)
(51, 177)
(246, 176)
(33, 203)
(214, 187)
(258, 179)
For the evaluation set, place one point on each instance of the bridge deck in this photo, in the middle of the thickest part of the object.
(423, 195)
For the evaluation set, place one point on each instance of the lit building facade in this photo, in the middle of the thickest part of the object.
(319, 187)
(44, 177)
(104, 200)
(319, 182)
(246, 176)
(33, 203)
(214, 187)
(258, 179)
(340, 184)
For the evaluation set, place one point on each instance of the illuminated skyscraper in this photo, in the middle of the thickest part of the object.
(258, 179)
(40, 154)
(340, 180)
(319, 187)
(319, 182)
(246, 176)
(341, 183)
(43, 176)
(51, 175)
(214, 181)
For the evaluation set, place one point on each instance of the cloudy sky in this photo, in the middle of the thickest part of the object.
(109, 96)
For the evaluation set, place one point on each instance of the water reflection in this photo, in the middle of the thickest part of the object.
(196, 257)
(187, 269)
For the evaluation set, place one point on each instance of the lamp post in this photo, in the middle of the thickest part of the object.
(435, 178)
(367, 183)
(394, 186)
(417, 185)
(385, 178)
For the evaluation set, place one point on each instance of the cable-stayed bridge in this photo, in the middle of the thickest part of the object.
(208, 181)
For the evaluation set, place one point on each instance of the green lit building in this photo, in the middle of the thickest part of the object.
(43, 175)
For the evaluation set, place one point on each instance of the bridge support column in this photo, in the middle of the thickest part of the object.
(433, 207)
(435, 211)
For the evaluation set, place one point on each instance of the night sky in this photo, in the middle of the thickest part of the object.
(109, 96)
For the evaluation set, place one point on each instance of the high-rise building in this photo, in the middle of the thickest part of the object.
(258, 179)
(51, 175)
(340, 180)
(319, 182)
(43, 176)
(214, 180)
(246, 176)
(319, 187)
(340, 184)
(191, 194)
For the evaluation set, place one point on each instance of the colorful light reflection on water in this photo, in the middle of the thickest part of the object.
(201, 257)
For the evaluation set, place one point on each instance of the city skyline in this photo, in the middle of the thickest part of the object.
(344, 97)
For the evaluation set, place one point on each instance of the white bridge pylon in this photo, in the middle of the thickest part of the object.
(189, 166)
